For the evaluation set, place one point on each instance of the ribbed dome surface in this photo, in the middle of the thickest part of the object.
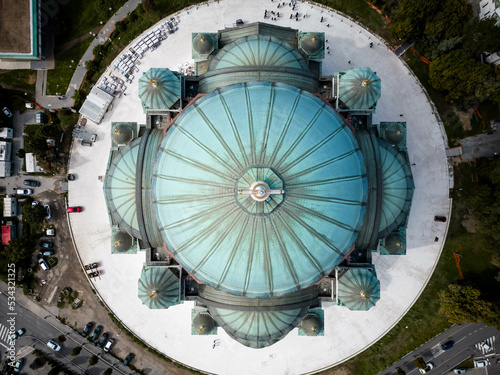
(359, 88)
(257, 329)
(213, 144)
(312, 44)
(203, 44)
(394, 133)
(397, 188)
(311, 325)
(158, 288)
(258, 50)
(159, 88)
(120, 188)
(359, 289)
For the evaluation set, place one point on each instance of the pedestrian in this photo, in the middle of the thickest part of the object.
(326, 40)
(291, 15)
(401, 115)
(349, 62)
(321, 19)
(327, 25)
(328, 52)
(327, 47)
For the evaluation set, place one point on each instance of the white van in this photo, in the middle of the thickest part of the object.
(43, 264)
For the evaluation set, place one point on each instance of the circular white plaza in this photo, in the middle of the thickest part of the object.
(346, 332)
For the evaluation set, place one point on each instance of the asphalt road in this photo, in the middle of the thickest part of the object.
(39, 331)
(464, 338)
(482, 145)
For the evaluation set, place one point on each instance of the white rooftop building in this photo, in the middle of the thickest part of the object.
(96, 105)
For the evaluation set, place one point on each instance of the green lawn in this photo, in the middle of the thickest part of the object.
(24, 80)
(58, 78)
(78, 17)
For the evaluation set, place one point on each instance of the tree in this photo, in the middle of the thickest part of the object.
(148, 5)
(420, 363)
(400, 371)
(482, 36)
(108, 371)
(450, 20)
(38, 363)
(18, 250)
(55, 370)
(458, 73)
(33, 215)
(61, 338)
(93, 360)
(92, 66)
(463, 304)
(76, 350)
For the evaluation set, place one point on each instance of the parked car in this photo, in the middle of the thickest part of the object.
(441, 219)
(47, 211)
(24, 191)
(29, 105)
(86, 143)
(74, 209)
(50, 232)
(447, 345)
(46, 253)
(462, 370)
(96, 332)
(7, 112)
(17, 334)
(46, 244)
(5, 367)
(128, 358)
(19, 364)
(71, 177)
(43, 264)
(40, 118)
(32, 183)
(102, 340)
(481, 362)
(34, 203)
(108, 345)
(53, 345)
(87, 329)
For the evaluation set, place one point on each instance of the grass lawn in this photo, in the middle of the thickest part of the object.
(24, 80)
(58, 78)
(78, 17)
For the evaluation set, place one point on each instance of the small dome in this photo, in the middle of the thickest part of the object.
(312, 44)
(203, 44)
(122, 241)
(311, 325)
(395, 134)
(122, 134)
(203, 323)
(394, 243)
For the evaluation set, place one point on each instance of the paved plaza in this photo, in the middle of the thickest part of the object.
(347, 333)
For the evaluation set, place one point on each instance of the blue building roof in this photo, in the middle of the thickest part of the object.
(285, 137)
(359, 88)
(159, 88)
(158, 288)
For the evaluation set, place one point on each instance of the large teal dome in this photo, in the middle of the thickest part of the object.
(259, 189)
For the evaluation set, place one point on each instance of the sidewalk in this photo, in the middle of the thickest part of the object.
(52, 101)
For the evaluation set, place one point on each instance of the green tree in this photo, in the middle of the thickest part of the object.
(482, 36)
(464, 305)
(148, 5)
(92, 66)
(420, 363)
(37, 363)
(450, 20)
(19, 250)
(108, 371)
(459, 74)
(400, 371)
(76, 350)
(55, 370)
(93, 360)
(33, 215)
(410, 17)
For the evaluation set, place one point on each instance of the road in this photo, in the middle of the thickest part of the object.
(483, 145)
(39, 330)
(465, 339)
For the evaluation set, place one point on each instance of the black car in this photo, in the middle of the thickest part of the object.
(128, 358)
(447, 345)
(95, 335)
(87, 329)
(32, 183)
(102, 340)
(46, 244)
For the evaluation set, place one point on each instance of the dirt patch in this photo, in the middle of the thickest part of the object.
(32, 78)
(15, 24)
(465, 118)
(470, 223)
(68, 273)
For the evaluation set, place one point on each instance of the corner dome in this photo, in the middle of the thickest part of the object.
(159, 88)
(158, 288)
(359, 289)
(122, 133)
(311, 325)
(122, 241)
(203, 323)
(359, 88)
(203, 44)
(395, 243)
(195, 187)
(312, 43)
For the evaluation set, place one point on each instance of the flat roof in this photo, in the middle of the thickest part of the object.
(19, 29)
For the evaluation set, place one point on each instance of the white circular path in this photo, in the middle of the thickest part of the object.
(347, 333)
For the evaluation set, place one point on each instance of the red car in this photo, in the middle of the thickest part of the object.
(440, 218)
(74, 209)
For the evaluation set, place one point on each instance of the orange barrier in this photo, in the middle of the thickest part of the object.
(479, 115)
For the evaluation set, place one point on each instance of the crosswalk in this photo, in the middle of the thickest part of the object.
(486, 346)
(4, 335)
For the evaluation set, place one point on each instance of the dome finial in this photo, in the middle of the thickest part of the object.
(153, 82)
(365, 82)
(363, 294)
(153, 294)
